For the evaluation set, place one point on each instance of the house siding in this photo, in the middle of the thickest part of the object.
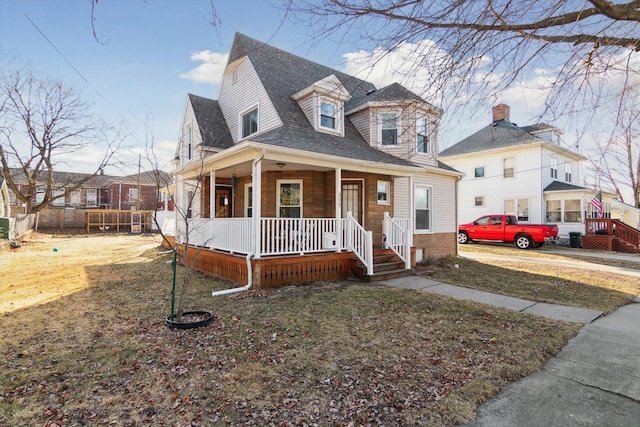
(362, 121)
(526, 184)
(245, 93)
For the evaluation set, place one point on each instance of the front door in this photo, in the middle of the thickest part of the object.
(352, 199)
(224, 199)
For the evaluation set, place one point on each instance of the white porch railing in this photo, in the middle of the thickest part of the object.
(232, 234)
(398, 238)
(281, 236)
(284, 236)
(360, 242)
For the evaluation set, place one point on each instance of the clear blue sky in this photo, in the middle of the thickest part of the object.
(143, 62)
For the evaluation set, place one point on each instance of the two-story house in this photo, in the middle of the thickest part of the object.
(526, 171)
(303, 169)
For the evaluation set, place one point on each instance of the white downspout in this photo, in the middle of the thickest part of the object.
(250, 254)
(243, 288)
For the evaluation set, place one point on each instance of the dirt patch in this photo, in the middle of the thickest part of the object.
(48, 266)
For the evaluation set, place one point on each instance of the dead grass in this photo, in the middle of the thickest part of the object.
(603, 291)
(323, 354)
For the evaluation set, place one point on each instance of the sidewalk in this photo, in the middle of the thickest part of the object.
(593, 381)
(553, 311)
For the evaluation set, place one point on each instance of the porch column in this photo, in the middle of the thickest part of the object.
(179, 209)
(338, 209)
(412, 212)
(256, 183)
(212, 194)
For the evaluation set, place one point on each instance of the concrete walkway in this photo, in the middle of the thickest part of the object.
(593, 381)
(553, 311)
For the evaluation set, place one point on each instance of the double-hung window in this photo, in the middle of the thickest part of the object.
(249, 122)
(389, 126)
(508, 167)
(567, 171)
(328, 115)
(289, 198)
(189, 138)
(383, 192)
(422, 139)
(554, 167)
(422, 206)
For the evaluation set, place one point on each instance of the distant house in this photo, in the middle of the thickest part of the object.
(526, 171)
(101, 191)
(308, 170)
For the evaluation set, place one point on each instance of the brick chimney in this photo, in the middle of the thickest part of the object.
(501, 112)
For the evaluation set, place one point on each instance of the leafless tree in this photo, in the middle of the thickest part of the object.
(616, 160)
(475, 50)
(40, 120)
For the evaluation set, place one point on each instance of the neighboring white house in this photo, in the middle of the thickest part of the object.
(526, 171)
(294, 156)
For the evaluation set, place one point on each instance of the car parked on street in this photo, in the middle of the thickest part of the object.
(505, 228)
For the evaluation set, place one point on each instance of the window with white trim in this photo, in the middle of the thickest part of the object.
(249, 123)
(572, 211)
(133, 195)
(92, 197)
(384, 192)
(389, 128)
(478, 172)
(289, 198)
(554, 210)
(189, 142)
(60, 201)
(40, 192)
(553, 167)
(328, 115)
(478, 201)
(75, 198)
(422, 136)
(422, 208)
(567, 171)
(248, 200)
(518, 208)
(508, 167)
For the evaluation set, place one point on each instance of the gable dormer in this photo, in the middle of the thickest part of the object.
(323, 104)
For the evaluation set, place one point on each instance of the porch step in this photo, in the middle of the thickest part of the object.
(386, 265)
(621, 245)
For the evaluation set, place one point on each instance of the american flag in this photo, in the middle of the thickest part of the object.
(597, 203)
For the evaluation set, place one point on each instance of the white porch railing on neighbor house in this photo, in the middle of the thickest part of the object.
(398, 238)
(360, 242)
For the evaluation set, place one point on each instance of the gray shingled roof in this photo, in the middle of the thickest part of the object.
(563, 186)
(499, 134)
(213, 128)
(282, 75)
(98, 181)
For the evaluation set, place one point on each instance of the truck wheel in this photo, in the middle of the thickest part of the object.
(463, 238)
(523, 241)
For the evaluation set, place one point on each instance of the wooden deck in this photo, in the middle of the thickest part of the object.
(271, 272)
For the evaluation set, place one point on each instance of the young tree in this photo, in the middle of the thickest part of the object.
(478, 49)
(41, 119)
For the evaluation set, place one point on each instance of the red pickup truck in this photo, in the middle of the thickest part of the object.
(505, 228)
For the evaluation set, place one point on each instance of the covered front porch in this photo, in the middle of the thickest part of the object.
(312, 212)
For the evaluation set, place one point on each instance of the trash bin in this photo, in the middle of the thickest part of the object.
(574, 239)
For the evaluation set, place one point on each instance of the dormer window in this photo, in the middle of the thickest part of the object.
(323, 104)
(328, 117)
(389, 129)
(249, 123)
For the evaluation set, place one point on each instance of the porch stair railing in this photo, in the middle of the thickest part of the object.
(397, 238)
(610, 234)
(360, 242)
